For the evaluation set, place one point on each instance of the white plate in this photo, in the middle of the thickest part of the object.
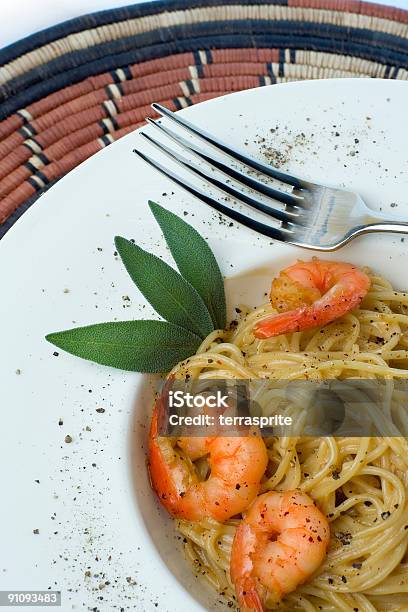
(93, 506)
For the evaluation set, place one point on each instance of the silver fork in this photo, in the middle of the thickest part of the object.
(311, 215)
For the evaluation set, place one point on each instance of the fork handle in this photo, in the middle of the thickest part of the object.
(396, 227)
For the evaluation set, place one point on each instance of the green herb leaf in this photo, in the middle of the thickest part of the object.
(195, 260)
(139, 346)
(170, 294)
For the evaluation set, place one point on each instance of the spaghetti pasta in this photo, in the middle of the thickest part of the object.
(360, 484)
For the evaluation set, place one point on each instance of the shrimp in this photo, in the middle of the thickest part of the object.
(281, 541)
(237, 465)
(312, 293)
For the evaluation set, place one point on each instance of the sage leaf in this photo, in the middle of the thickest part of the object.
(139, 346)
(195, 260)
(172, 297)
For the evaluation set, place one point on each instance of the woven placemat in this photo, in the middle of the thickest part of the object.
(69, 91)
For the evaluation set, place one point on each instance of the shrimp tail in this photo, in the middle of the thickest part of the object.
(283, 323)
(249, 597)
(241, 567)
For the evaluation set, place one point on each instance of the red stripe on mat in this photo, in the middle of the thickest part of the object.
(150, 67)
(355, 6)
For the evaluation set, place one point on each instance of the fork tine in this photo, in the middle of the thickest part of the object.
(253, 183)
(235, 153)
(266, 230)
(280, 215)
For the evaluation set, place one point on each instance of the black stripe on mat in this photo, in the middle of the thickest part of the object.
(93, 20)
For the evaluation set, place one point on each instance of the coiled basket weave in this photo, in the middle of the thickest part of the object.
(73, 89)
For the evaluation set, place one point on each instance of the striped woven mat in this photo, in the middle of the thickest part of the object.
(69, 91)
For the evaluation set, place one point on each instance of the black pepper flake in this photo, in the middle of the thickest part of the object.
(36, 531)
(100, 410)
(357, 565)
(385, 515)
(344, 579)
(68, 439)
(344, 537)
(335, 475)
(55, 353)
